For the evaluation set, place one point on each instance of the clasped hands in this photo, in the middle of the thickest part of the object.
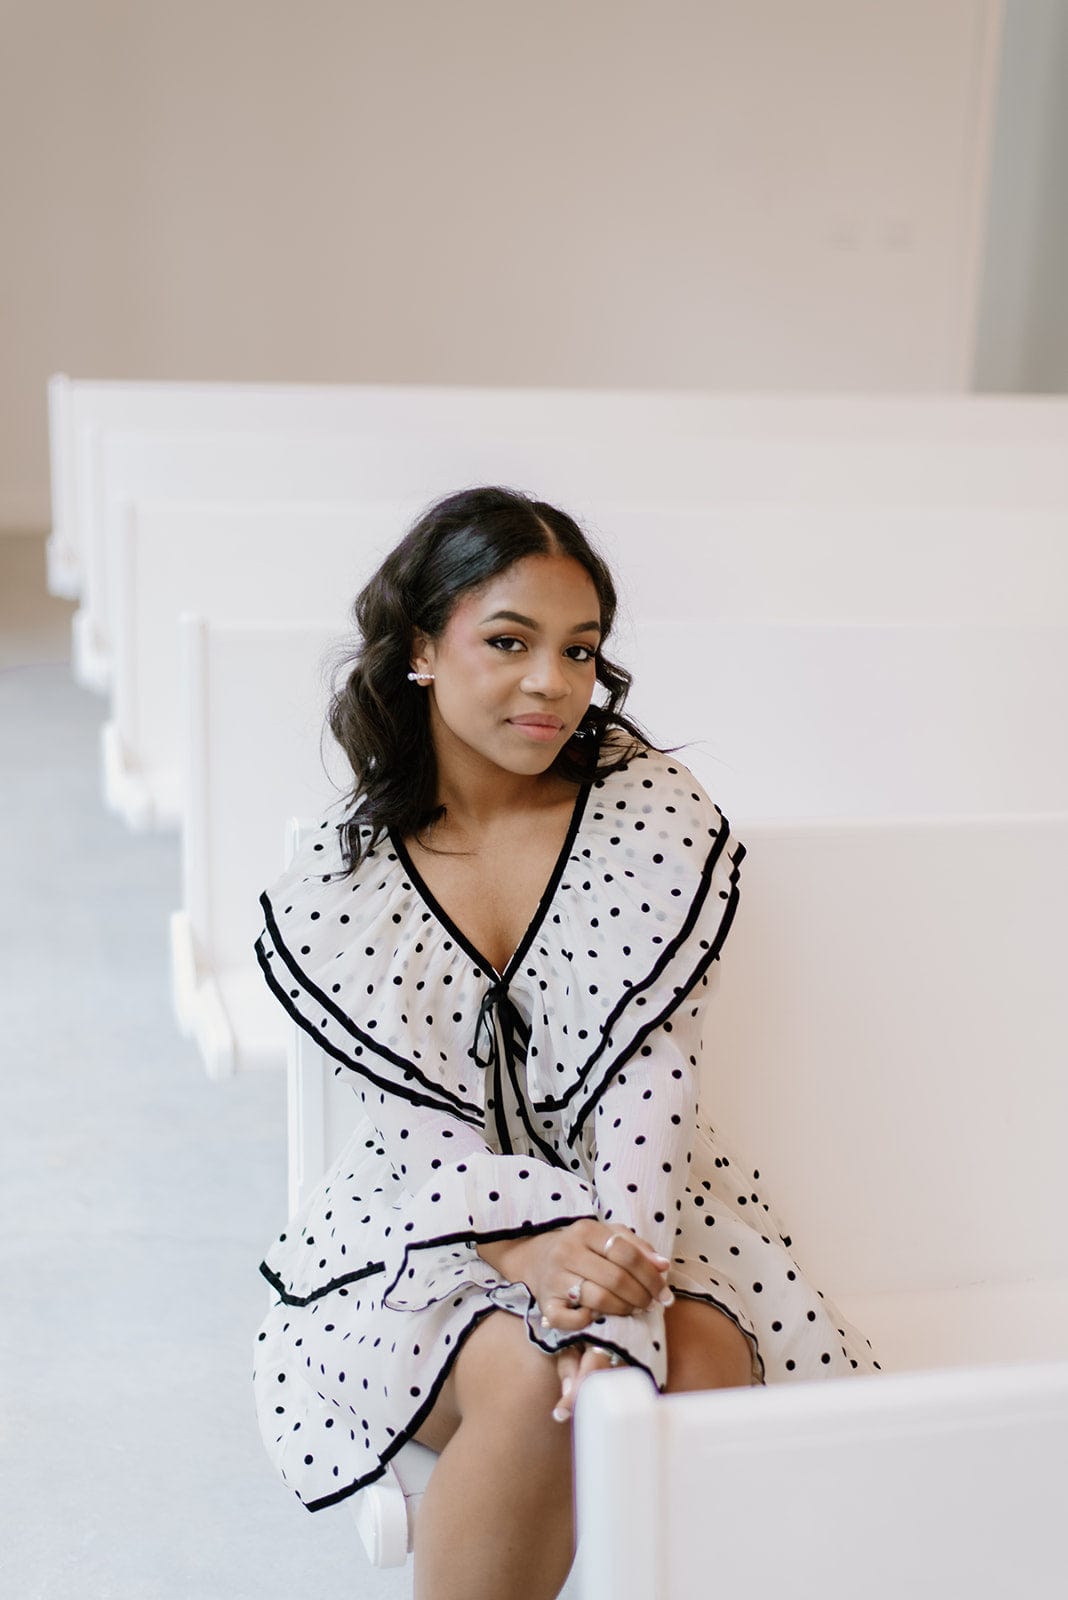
(584, 1270)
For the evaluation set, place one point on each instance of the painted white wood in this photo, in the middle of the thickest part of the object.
(843, 720)
(254, 702)
(383, 1517)
(238, 564)
(697, 564)
(861, 563)
(63, 574)
(77, 407)
(825, 455)
(617, 1461)
(927, 1484)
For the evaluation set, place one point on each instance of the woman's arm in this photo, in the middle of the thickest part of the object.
(643, 1133)
(642, 1130)
(528, 1221)
(455, 1196)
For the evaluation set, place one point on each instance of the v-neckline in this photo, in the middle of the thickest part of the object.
(435, 907)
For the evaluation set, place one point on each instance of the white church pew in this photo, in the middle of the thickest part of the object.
(239, 563)
(932, 1485)
(860, 562)
(80, 409)
(800, 721)
(838, 720)
(753, 563)
(254, 699)
(902, 1096)
(577, 468)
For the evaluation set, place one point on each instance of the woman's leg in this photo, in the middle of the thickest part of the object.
(497, 1517)
(706, 1349)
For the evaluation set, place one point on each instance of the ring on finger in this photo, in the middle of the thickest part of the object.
(574, 1294)
(609, 1242)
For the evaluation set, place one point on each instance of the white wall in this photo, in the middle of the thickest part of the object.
(780, 194)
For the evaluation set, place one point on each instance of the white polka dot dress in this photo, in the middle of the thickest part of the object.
(492, 1105)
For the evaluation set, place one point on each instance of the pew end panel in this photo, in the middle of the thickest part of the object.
(62, 567)
(253, 717)
(232, 563)
(928, 1484)
(90, 660)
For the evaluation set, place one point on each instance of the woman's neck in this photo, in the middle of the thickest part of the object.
(477, 798)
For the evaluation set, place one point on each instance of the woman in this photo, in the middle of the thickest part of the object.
(506, 946)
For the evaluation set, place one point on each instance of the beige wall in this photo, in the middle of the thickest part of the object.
(785, 193)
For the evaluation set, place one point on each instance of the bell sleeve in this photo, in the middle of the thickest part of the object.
(455, 1193)
(641, 1140)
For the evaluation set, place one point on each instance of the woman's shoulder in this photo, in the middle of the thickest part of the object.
(640, 774)
(649, 819)
(322, 867)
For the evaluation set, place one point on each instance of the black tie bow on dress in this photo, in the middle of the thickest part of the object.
(500, 1048)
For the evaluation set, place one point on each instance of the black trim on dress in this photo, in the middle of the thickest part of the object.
(405, 1434)
(548, 894)
(710, 1299)
(327, 1288)
(680, 994)
(470, 1236)
(442, 1101)
(666, 956)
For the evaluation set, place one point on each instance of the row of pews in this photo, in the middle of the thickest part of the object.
(851, 610)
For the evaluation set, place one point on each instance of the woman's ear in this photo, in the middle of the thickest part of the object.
(421, 652)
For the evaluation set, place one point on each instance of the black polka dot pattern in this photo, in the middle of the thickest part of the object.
(492, 1107)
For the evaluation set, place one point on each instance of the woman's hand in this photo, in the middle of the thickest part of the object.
(574, 1363)
(614, 1272)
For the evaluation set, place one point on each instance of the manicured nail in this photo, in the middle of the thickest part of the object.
(545, 1322)
(666, 1297)
(569, 1384)
(561, 1414)
(662, 1261)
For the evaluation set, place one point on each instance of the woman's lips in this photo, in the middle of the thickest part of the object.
(542, 729)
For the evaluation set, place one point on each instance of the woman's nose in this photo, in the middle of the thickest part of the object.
(546, 676)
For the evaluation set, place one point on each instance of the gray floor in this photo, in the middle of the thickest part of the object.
(137, 1198)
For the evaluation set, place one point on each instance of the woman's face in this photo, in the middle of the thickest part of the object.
(514, 667)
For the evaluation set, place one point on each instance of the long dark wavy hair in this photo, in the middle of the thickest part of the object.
(382, 722)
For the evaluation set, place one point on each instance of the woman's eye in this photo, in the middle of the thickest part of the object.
(581, 652)
(506, 642)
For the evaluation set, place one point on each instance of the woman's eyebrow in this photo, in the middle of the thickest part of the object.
(528, 622)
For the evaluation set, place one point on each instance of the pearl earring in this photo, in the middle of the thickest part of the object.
(420, 677)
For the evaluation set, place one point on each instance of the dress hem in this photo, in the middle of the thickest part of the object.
(406, 1434)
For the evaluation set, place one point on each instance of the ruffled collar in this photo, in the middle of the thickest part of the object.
(640, 899)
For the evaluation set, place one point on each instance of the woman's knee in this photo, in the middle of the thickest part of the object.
(499, 1373)
(499, 1382)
